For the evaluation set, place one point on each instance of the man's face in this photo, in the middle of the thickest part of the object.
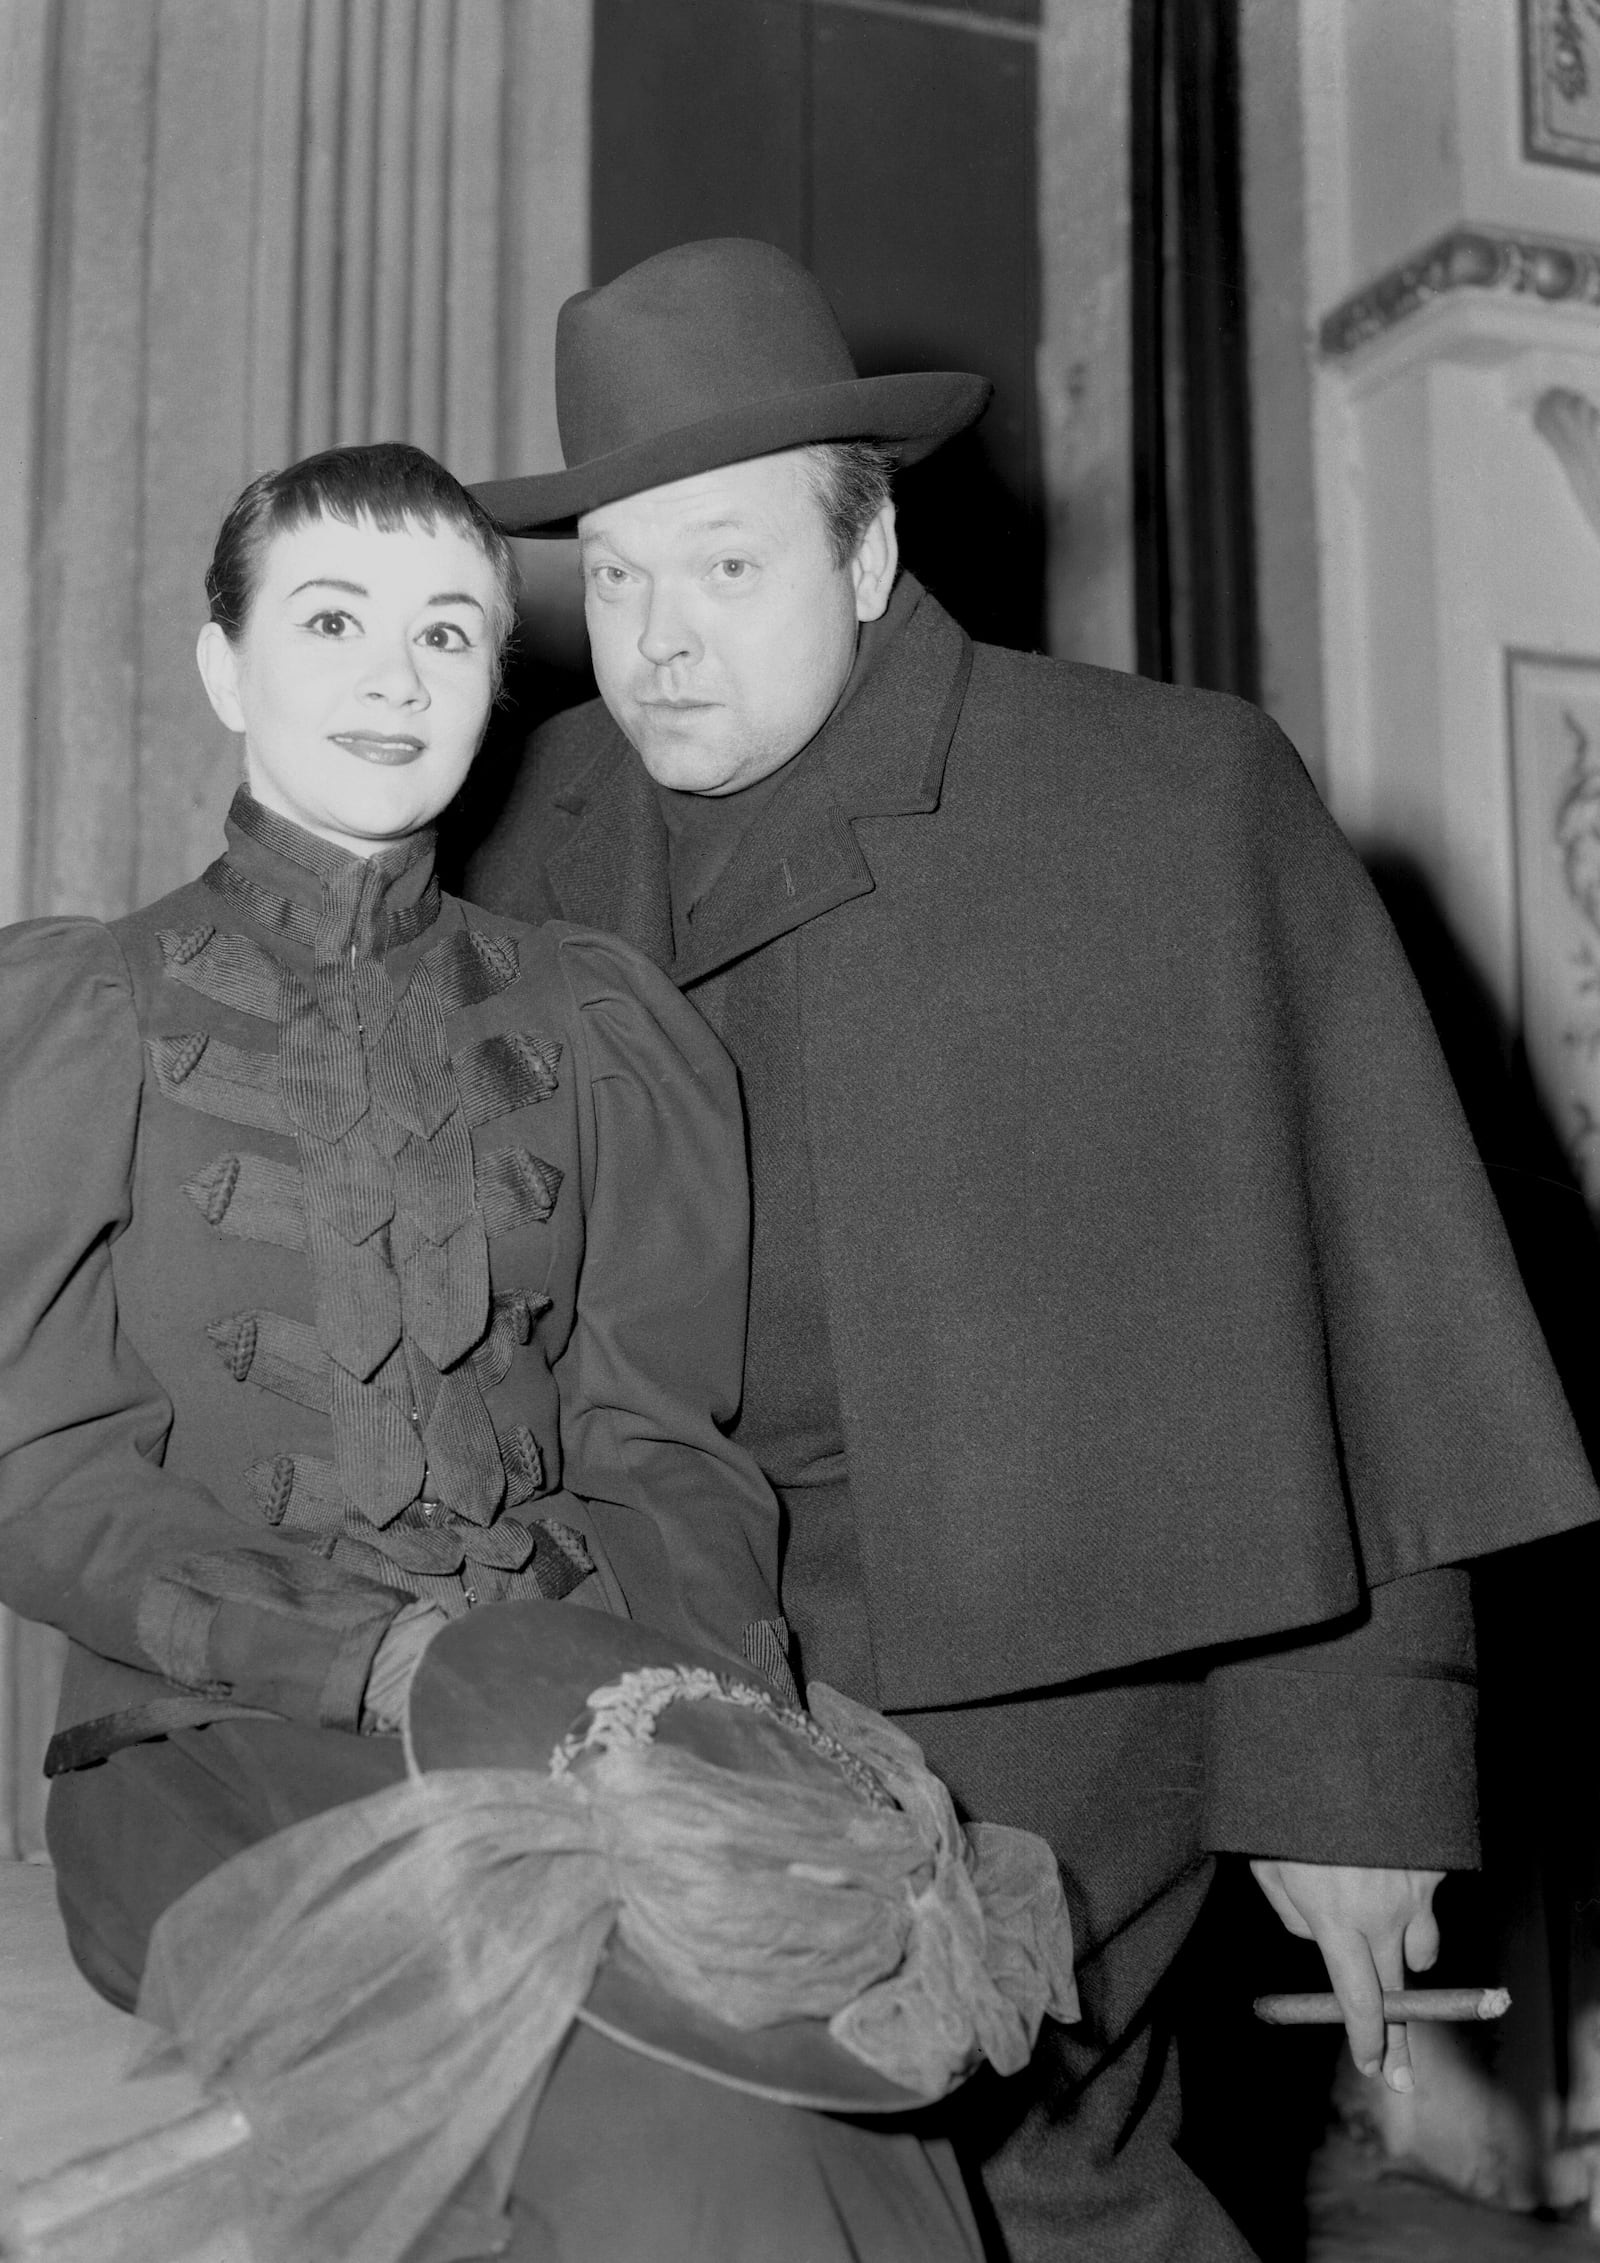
(722, 629)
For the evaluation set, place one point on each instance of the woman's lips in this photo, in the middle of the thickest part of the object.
(377, 746)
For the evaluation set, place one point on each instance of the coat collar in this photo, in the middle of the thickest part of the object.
(881, 755)
(612, 873)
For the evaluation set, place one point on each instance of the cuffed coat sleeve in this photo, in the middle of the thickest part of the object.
(1357, 1747)
(96, 1537)
(651, 1374)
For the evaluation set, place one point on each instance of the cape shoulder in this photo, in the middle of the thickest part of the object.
(1153, 731)
(1137, 801)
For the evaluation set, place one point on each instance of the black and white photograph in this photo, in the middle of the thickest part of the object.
(799, 1131)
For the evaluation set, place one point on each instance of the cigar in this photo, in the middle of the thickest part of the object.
(1398, 2004)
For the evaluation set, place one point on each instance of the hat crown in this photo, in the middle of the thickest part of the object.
(697, 332)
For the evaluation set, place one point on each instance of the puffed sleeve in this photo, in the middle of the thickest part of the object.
(653, 1369)
(96, 1537)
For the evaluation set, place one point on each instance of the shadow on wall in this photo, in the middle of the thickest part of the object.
(1258, 2098)
(978, 545)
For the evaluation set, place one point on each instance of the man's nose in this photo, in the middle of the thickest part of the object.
(668, 634)
(391, 673)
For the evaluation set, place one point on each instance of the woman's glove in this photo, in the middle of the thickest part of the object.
(410, 1631)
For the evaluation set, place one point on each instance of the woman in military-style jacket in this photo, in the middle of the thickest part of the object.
(362, 1256)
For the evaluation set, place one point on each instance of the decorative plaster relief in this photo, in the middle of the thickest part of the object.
(1561, 83)
(1571, 423)
(1557, 270)
(1555, 763)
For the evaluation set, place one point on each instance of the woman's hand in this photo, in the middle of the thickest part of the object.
(383, 1703)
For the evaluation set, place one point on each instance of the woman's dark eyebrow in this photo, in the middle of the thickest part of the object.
(327, 581)
(355, 589)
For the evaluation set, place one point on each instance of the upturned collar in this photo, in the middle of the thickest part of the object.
(307, 891)
(881, 754)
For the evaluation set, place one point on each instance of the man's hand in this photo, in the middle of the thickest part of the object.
(1370, 1925)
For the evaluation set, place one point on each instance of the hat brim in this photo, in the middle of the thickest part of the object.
(910, 414)
(500, 1689)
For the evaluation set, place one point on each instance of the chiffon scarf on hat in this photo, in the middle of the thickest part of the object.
(382, 1989)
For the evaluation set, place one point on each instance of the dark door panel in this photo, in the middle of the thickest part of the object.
(924, 234)
(699, 126)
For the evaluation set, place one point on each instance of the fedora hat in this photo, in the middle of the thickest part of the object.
(706, 355)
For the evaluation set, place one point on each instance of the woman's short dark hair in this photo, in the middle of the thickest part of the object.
(389, 483)
(851, 481)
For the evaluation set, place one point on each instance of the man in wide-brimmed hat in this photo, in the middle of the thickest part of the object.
(1133, 1342)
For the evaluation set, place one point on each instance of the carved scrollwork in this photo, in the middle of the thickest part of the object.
(1561, 83)
(1553, 269)
(1570, 422)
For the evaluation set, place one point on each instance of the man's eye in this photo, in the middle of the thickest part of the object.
(733, 569)
(332, 623)
(609, 577)
(446, 636)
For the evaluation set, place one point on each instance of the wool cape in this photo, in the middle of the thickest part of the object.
(1168, 1301)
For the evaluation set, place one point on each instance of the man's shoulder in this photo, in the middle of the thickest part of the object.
(565, 744)
(1114, 700)
(506, 867)
(559, 752)
(1126, 741)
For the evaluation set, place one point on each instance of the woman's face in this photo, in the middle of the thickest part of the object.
(363, 679)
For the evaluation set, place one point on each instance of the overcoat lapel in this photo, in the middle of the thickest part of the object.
(612, 874)
(798, 860)
(881, 756)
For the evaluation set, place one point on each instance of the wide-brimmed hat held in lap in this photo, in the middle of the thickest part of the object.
(598, 1823)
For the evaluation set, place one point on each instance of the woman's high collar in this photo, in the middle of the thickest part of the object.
(309, 891)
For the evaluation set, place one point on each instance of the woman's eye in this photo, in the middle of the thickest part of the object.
(733, 569)
(446, 636)
(331, 623)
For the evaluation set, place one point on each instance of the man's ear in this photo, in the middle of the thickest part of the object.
(874, 566)
(219, 672)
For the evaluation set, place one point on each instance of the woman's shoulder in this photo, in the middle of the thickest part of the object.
(69, 1021)
(632, 1013)
(68, 953)
(588, 963)
(60, 953)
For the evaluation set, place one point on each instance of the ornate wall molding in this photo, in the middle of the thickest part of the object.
(1561, 83)
(1499, 262)
(1570, 423)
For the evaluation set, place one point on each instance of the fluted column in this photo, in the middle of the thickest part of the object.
(236, 231)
